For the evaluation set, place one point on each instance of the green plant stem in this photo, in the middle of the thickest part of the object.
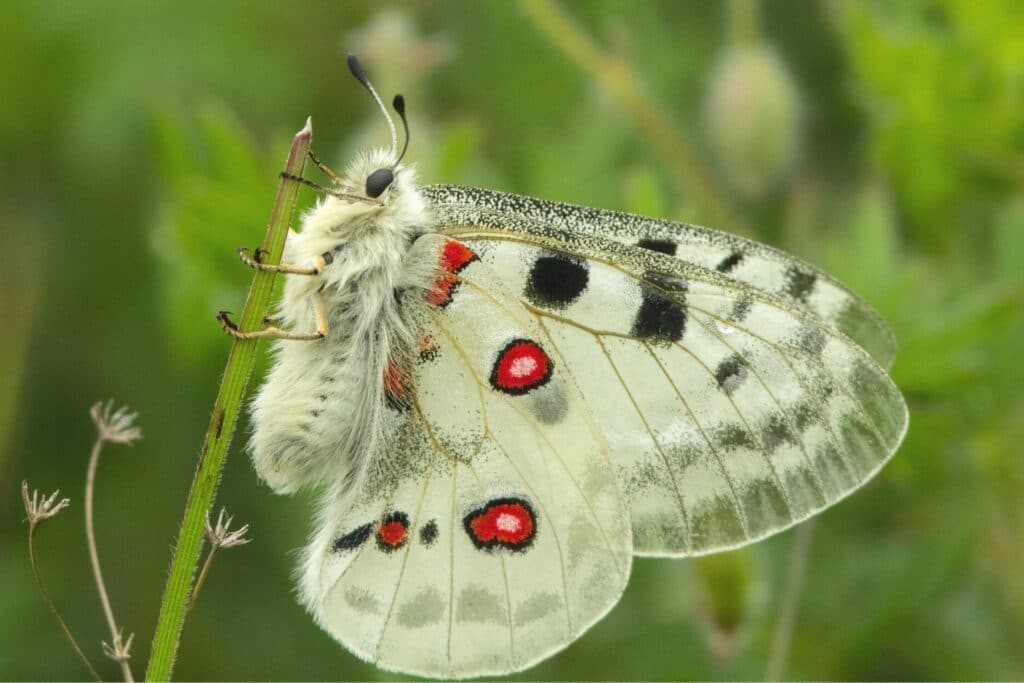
(225, 412)
(661, 133)
(53, 608)
(743, 22)
(795, 572)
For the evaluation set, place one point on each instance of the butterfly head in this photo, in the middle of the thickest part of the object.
(376, 186)
(376, 172)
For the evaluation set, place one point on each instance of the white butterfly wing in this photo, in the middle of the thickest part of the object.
(730, 412)
(762, 267)
(494, 532)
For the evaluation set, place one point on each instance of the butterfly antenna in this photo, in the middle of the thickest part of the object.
(399, 104)
(357, 70)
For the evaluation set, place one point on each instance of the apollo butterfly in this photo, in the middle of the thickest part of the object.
(504, 399)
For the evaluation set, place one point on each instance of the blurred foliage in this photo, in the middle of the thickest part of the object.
(142, 151)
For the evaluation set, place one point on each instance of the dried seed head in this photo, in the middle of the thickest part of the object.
(120, 651)
(40, 508)
(221, 535)
(115, 426)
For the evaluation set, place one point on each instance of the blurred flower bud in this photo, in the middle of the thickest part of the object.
(726, 581)
(752, 116)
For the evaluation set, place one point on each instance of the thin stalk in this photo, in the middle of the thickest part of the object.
(662, 134)
(94, 559)
(222, 422)
(795, 573)
(53, 608)
(743, 21)
(202, 577)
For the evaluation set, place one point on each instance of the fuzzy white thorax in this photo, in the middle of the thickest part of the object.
(317, 417)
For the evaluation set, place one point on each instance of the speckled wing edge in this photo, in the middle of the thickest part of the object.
(760, 266)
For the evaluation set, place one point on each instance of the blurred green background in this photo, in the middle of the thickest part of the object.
(883, 141)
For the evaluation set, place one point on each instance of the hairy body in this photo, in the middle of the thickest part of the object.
(318, 416)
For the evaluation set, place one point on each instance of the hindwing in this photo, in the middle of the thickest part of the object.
(492, 531)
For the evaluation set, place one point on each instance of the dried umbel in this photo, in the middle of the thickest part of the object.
(115, 426)
(41, 508)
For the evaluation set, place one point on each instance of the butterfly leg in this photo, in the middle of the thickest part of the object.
(273, 332)
(334, 193)
(324, 168)
(256, 261)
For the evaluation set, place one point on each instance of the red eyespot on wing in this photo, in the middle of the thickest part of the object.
(455, 256)
(522, 366)
(440, 294)
(502, 523)
(393, 531)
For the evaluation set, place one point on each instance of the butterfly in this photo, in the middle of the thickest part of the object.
(504, 399)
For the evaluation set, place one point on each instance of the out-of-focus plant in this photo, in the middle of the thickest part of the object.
(752, 116)
(942, 81)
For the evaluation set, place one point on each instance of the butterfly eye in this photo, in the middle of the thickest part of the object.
(378, 181)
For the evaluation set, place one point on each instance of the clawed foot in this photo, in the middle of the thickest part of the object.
(228, 325)
(256, 261)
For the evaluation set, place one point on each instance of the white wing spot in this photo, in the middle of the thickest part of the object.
(523, 366)
(508, 523)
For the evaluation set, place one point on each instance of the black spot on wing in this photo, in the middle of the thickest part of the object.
(353, 539)
(659, 318)
(556, 280)
(734, 436)
(804, 415)
(739, 311)
(730, 374)
(428, 533)
(811, 340)
(729, 262)
(660, 246)
(774, 433)
(799, 283)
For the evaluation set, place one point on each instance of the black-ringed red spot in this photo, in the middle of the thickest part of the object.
(521, 366)
(502, 523)
(393, 531)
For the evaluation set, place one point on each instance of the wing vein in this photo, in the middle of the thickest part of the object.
(405, 559)
(657, 446)
(835, 380)
(764, 455)
(818, 406)
(540, 433)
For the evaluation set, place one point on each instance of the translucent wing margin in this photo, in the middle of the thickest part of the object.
(731, 413)
(760, 266)
(493, 531)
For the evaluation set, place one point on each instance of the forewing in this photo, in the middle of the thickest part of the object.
(731, 414)
(494, 532)
(798, 283)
